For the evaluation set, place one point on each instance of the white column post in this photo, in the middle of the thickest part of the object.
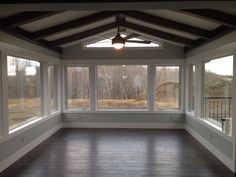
(151, 87)
(93, 87)
(4, 96)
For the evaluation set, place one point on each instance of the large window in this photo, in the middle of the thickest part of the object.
(218, 88)
(24, 91)
(122, 87)
(192, 91)
(167, 87)
(77, 88)
(53, 88)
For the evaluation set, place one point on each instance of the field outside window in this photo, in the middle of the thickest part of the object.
(218, 91)
(77, 88)
(24, 91)
(122, 87)
(167, 87)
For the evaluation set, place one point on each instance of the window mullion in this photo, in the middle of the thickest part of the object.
(5, 122)
(151, 87)
(93, 87)
(45, 90)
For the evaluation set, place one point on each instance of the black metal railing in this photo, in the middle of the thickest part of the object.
(218, 107)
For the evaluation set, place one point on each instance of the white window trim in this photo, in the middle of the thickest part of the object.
(4, 94)
(121, 110)
(180, 109)
(83, 44)
(197, 115)
(5, 132)
(55, 82)
(92, 64)
(190, 88)
(64, 95)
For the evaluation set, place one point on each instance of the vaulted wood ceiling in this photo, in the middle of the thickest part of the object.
(189, 28)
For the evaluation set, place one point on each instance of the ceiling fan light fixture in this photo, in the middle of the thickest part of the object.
(118, 42)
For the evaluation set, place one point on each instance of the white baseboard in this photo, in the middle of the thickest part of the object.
(17, 155)
(124, 125)
(228, 162)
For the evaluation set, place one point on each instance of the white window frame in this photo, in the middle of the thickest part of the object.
(180, 109)
(199, 63)
(5, 132)
(122, 110)
(190, 108)
(83, 45)
(55, 82)
(64, 95)
(92, 64)
(203, 91)
(43, 93)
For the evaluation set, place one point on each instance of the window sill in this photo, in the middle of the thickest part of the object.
(210, 126)
(123, 111)
(15, 132)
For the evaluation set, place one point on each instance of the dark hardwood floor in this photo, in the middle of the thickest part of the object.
(118, 153)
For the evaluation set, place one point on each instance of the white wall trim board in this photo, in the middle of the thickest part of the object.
(72, 62)
(17, 155)
(124, 125)
(228, 162)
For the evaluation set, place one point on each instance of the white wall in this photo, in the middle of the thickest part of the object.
(221, 145)
(14, 145)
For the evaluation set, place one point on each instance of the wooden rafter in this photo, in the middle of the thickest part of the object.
(72, 24)
(159, 34)
(212, 15)
(215, 34)
(24, 18)
(166, 23)
(25, 35)
(82, 35)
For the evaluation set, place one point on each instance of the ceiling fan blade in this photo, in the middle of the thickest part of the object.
(141, 42)
(102, 38)
(131, 36)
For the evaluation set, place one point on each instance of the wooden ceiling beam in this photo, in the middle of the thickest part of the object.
(24, 18)
(82, 35)
(166, 23)
(215, 34)
(212, 16)
(25, 35)
(158, 34)
(72, 24)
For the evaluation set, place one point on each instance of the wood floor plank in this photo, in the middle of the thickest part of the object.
(118, 153)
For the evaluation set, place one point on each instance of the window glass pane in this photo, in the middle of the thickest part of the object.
(167, 87)
(53, 88)
(218, 88)
(24, 91)
(192, 87)
(77, 88)
(122, 87)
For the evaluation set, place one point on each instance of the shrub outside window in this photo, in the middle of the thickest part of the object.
(122, 87)
(24, 91)
(218, 88)
(167, 88)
